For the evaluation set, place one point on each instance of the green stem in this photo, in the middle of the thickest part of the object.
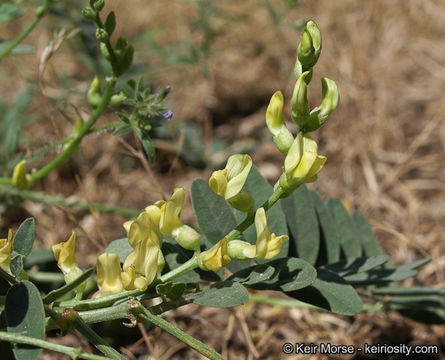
(44, 276)
(292, 303)
(96, 340)
(181, 269)
(58, 201)
(187, 339)
(8, 277)
(75, 353)
(72, 146)
(39, 15)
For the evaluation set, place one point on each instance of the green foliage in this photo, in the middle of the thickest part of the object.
(24, 237)
(25, 315)
(222, 294)
(9, 12)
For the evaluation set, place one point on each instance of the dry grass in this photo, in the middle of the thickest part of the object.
(385, 148)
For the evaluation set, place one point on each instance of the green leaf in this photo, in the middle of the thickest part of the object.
(19, 49)
(110, 23)
(55, 294)
(146, 143)
(349, 236)
(222, 294)
(329, 240)
(387, 274)
(303, 225)
(13, 120)
(357, 265)
(331, 292)
(408, 291)
(174, 256)
(378, 276)
(257, 186)
(433, 316)
(290, 274)
(16, 265)
(170, 290)
(369, 240)
(25, 315)
(38, 256)
(127, 89)
(9, 12)
(120, 247)
(213, 214)
(253, 275)
(124, 129)
(24, 237)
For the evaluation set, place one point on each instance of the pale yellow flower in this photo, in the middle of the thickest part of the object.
(302, 163)
(109, 270)
(267, 245)
(216, 258)
(5, 251)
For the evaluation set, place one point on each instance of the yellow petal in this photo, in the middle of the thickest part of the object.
(218, 182)
(64, 253)
(274, 113)
(5, 250)
(170, 212)
(294, 154)
(238, 168)
(109, 273)
(215, 259)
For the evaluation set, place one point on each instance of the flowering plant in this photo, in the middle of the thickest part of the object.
(250, 235)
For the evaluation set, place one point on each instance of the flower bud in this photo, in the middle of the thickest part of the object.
(240, 250)
(5, 251)
(310, 46)
(274, 113)
(104, 50)
(19, 176)
(329, 102)
(117, 99)
(275, 123)
(102, 35)
(89, 13)
(186, 237)
(40, 11)
(299, 103)
(94, 95)
(99, 5)
(109, 274)
(216, 258)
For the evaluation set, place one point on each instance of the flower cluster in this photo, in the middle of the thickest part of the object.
(145, 263)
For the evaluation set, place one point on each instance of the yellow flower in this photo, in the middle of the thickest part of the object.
(228, 182)
(275, 123)
(170, 211)
(142, 228)
(146, 260)
(302, 163)
(64, 253)
(132, 281)
(5, 251)
(109, 270)
(216, 258)
(19, 177)
(267, 245)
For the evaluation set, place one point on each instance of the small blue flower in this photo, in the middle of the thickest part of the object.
(167, 114)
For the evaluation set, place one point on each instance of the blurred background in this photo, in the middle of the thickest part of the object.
(223, 60)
